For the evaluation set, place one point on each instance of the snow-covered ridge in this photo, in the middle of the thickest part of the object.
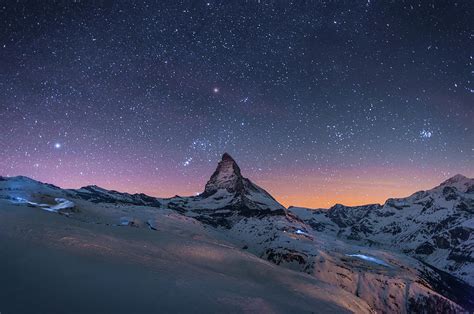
(435, 226)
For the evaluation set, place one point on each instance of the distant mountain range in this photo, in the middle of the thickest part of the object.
(435, 226)
(411, 254)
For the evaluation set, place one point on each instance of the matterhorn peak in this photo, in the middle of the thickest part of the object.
(227, 157)
(227, 176)
(227, 188)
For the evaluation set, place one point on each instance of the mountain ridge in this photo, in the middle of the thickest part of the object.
(454, 178)
(344, 246)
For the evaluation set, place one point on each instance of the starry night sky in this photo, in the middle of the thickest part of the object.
(318, 101)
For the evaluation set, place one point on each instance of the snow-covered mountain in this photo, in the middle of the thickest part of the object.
(409, 255)
(435, 226)
(227, 197)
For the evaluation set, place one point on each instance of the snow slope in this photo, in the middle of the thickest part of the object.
(89, 263)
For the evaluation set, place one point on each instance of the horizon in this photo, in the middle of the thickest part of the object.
(344, 198)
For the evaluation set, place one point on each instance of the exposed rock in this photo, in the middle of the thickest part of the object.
(461, 233)
(450, 193)
(441, 242)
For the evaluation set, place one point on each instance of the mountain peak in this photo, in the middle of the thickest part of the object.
(455, 179)
(226, 176)
(458, 177)
(227, 157)
(228, 189)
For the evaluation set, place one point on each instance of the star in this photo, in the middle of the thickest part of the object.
(215, 90)
(57, 145)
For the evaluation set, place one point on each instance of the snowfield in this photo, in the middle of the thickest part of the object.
(52, 263)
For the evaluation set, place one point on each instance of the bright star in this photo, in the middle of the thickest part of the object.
(215, 90)
(57, 145)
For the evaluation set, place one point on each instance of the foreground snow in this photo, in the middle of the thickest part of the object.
(181, 267)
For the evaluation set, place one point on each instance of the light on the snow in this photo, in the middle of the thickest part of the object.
(19, 200)
(369, 259)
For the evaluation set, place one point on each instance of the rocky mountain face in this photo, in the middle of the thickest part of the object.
(409, 255)
(227, 177)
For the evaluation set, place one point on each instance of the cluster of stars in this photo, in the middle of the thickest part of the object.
(426, 134)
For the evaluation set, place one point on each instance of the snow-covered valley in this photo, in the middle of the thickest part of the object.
(233, 248)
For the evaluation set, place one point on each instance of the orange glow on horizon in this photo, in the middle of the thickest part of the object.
(290, 187)
(352, 188)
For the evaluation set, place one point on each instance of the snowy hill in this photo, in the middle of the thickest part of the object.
(409, 255)
(87, 264)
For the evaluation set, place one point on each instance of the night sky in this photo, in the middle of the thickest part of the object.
(319, 102)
